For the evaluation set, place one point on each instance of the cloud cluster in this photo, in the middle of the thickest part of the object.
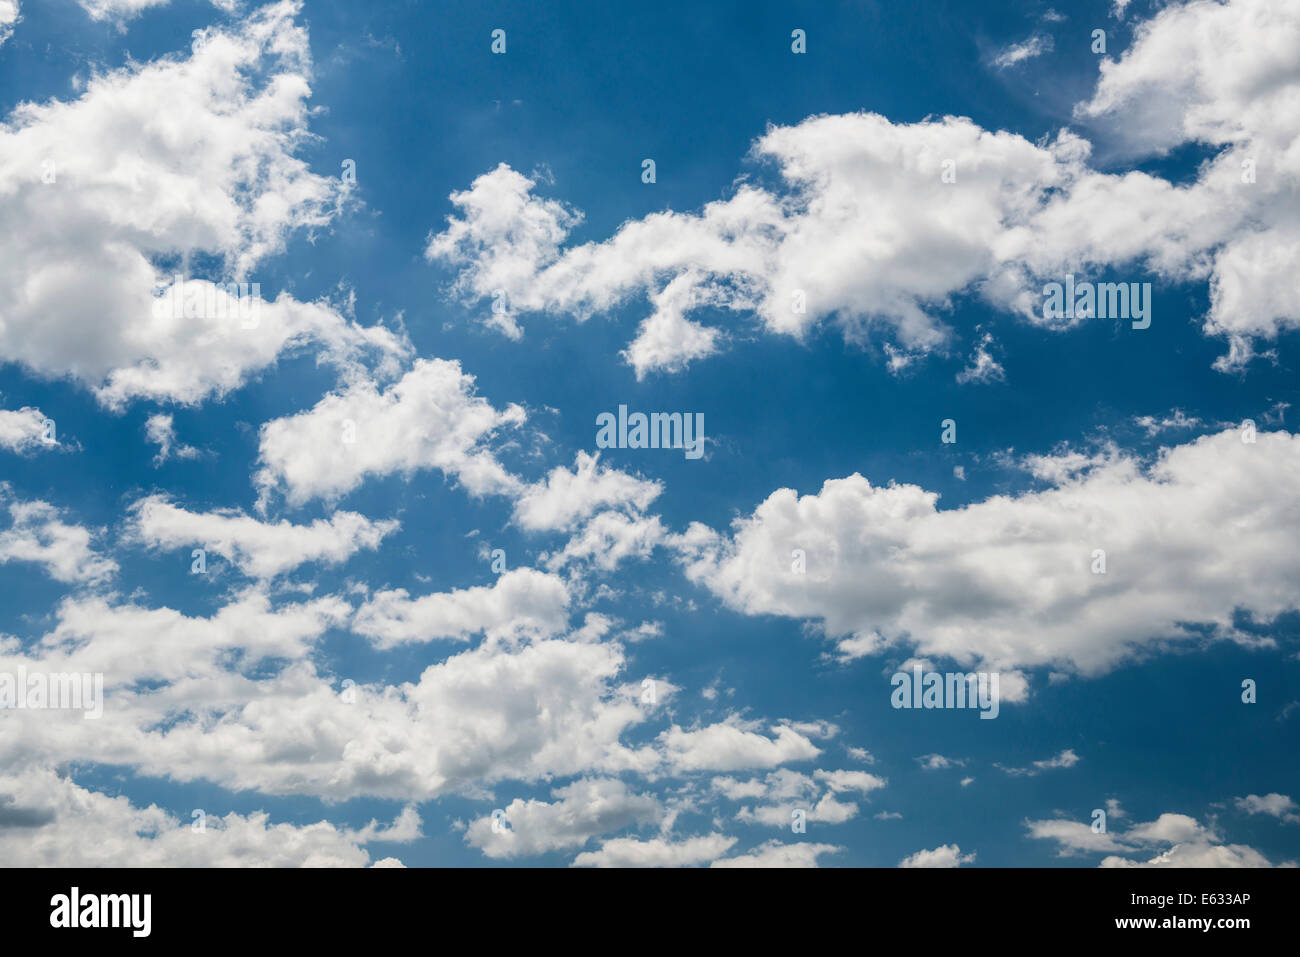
(1205, 531)
(880, 226)
(106, 198)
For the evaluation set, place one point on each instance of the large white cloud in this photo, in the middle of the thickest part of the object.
(734, 745)
(46, 820)
(522, 602)
(37, 533)
(1205, 531)
(430, 418)
(878, 225)
(105, 198)
(25, 429)
(1174, 840)
(777, 854)
(259, 549)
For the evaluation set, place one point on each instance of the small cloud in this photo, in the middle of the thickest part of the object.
(1036, 45)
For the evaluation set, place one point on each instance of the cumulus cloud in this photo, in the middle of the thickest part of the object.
(48, 821)
(258, 549)
(778, 854)
(431, 418)
(8, 19)
(521, 602)
(566, 496)
(586, 808)
(1008, 581)
(235, 698)
(102, 196)
(784, 792)
(38, 534)
(733, 745)
(25, 429)
(160, 429)
(1275, 805)
(656, 852)
(868, 232)
(946, 855)
(1173, 840)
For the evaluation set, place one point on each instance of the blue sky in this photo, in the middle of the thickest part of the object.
(369, 558)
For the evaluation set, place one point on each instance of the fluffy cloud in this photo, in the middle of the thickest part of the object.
(24, 429)
(1175, 840)
(567, 496)
(586, 808)
(430, 418)
(48, 821)
(160, 429)
(236, 699)
(258, 549)
(777, 854)
(946, 855)
(100, 195)
(8, 19)
(656, 852)
(36, 533)
(1275, 805)
(1008, 581)
(785, 791)
(866, 232)
(733, 745)
(521, 602)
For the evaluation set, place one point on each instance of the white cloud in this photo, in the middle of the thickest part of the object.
(1275, 805)
(586, 808)
(937, 762)
(258, 549)
(8, 19)
(776, 854)
(48, 821)
(733, 745)
(1034, 46)
(431, 418)
(1008, 581)
(785, 791)
(1175, 840)
(656, 852)
(1178, 419)
(160, 429)
(155, 162)
(865, 232)
(118, 10)
(236, 699)
(983, 367)
(520, 602)
(36, 533)
(567, 496)
(1197, 854)
(1065, 759)
(24, 430)
(946, 855)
